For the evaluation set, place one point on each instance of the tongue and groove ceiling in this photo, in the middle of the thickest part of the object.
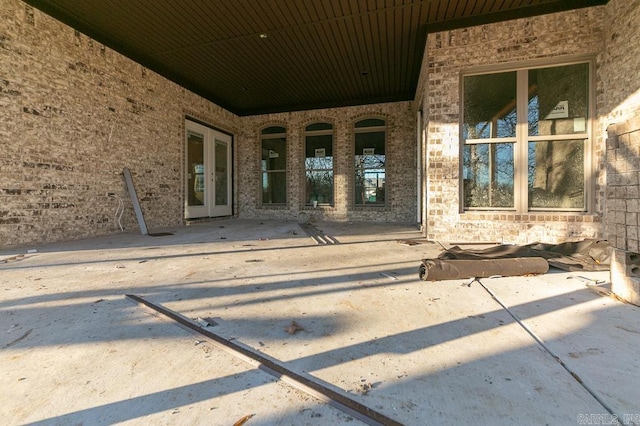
(262, 56)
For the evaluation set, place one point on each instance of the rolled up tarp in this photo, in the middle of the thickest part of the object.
(451, 269)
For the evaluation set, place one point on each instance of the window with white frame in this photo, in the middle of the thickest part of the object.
(318, 164)
(273, 143)
(526, 143)
(370, 162)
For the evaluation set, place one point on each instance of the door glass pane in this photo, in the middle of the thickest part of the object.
(222, 181)
(490, 106)
(556, 174)
(488, 172)
(195, 172)
(558, 100)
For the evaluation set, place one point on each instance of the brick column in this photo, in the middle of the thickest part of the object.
(623, 207)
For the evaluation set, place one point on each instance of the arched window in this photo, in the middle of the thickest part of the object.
(318, 164)
(273, 143)
(370, 160)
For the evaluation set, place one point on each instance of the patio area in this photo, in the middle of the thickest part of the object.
(344, 310)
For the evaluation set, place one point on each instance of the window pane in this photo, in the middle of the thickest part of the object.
(558, 100)
(370, 161)
(273, 130)
(319, 169)
(370, 186)
(319, 152)
(319, 126)
(274, 168)
(274, 154)
(488, 174)
(370, 149)
(221, 181)
(370, 122)
(274, 187)
(556, 174)
(195, 174)
(319, 186)
(490, 106)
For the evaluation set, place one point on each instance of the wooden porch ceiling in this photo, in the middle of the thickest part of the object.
(261, 56)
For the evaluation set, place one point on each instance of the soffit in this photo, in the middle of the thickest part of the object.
(262, 56)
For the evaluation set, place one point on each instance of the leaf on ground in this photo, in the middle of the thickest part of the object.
(243, 420)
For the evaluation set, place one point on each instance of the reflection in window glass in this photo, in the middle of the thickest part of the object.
(490, 106)
(221, 181)
(195, 160)
(318, 164)
(558, 100)
(274, 166)
(556, 174)
(370, 158)
(488, 171)
(548, 154)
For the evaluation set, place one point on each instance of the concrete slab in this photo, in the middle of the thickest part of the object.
(74, 350)
(594, 335)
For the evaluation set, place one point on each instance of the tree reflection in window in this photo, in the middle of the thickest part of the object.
(549, 151)
(370, 162)
(318, 164)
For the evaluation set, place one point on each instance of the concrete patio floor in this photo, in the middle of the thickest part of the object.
(75, 350)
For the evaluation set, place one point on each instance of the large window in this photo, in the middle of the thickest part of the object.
(526, 139)
(370, 158)
(274, 165)
(318, 164)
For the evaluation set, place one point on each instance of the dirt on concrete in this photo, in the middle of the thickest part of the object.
(532, 350)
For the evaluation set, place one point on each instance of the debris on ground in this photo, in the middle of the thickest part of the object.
(513, 260)
(363, 388)
(293, 328)
(391, 277)
(243, 420)
(12, 258)
(206, 322)
(451, 269)
(408, 242)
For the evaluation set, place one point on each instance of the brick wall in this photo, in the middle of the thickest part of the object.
(621, 96)
(623, 184)
(400, 166)
(621, 65)
(73, 114)
(450, 52)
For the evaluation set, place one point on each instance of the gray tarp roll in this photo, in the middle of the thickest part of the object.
(449, 269)
(512, 260)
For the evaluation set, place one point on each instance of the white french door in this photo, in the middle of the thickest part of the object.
(208, 172)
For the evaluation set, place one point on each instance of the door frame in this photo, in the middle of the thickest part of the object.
(211, 136)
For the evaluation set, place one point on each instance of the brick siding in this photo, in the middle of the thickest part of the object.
(73, 114)
(400, 150)
(450, 52)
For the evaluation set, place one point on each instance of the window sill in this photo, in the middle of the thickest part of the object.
(510, 216)
(274, 207)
